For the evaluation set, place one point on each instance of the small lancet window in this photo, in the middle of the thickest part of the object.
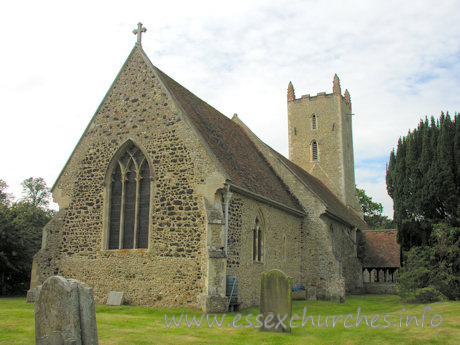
(129, 201)
(257, 242)
(314, 151)
(313, 121)
(285, 247)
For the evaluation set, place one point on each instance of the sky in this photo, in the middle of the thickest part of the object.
(400, 61)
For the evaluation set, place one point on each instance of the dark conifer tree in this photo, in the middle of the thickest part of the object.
(423, 179)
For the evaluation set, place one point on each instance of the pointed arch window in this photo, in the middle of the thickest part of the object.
(313, 121)
(129, 200)
(314, 151)
(257, 242)
(285, 247)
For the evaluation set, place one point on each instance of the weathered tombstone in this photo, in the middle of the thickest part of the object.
(57, 319)
(87, 313)
(62, 317)
(275, 301)
(115, 298)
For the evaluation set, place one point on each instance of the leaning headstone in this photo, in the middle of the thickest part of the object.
(115, 298)
(64, 314)
(275, 301)
(87, 313)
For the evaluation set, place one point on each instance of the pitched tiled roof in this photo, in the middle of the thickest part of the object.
(244, 164)
(381, 249)
(332, 202)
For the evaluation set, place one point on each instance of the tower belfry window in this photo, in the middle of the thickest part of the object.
(314, 151)
(129, 201)
(313, 121)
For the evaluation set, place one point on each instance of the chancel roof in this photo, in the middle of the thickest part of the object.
(245, 165)
(238, 155)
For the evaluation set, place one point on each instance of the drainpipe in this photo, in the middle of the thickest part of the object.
(227, 196)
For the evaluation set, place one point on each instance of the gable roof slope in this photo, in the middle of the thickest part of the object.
(332, 202)
(334, 205)
(238, 155)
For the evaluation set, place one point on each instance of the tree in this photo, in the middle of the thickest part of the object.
(372, 212)
(423, 179)
(36, 192)
(4, 196)
(21, 226)
(434, 269)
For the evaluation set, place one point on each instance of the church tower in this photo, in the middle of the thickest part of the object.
(321, 139)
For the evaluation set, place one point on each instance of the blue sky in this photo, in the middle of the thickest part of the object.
(399, 60)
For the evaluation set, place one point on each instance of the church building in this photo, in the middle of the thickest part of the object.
(164, 197)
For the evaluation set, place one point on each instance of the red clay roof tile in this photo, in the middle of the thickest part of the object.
(381, 249)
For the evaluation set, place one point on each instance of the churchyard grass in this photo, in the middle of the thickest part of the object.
(136, 325)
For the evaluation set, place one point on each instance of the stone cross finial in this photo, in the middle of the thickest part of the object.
(139, 32)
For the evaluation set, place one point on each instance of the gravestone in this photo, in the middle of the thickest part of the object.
(275, 301)
(115, 298)
(87, 313)
(65, 314)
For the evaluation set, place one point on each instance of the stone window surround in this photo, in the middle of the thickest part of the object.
(314, 150)
(314, 121)
(258, 239)
(107, 195)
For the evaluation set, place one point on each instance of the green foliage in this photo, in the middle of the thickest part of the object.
(373, 212)
(423, 179)
(36, 192)
(4, 196)
(21, 226)
(429, 295)
(445, 241)
(436, 266)
(417, 271)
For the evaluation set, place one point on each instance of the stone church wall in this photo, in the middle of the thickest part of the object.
(319, 266)
(172, 271)
(344, 249)
(281, 245)
(328, 259)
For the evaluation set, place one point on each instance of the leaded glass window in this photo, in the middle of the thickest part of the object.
(129, 201)
(314, 151)
(257, 242)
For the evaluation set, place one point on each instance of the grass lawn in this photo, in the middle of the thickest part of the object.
(137, 325)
